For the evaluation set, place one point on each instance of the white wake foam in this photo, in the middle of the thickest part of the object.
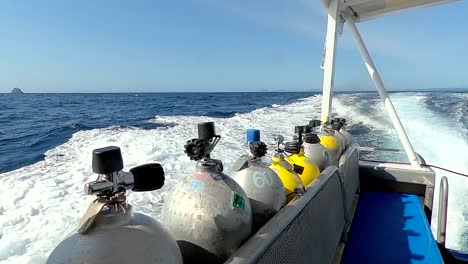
(441, 141)
(41, 203)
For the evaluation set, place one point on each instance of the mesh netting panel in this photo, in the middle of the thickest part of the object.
(315, 233)
(349, 168)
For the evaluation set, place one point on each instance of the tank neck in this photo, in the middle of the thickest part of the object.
(254, 159)
(327, 132)
(278, 158)
(118, 215)
(301, 151)
(207, 166)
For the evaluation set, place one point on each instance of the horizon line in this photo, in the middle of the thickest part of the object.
(260, 91)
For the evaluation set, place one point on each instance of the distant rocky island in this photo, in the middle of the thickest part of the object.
(17, 91)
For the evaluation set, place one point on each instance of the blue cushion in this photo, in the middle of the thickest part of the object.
(390, 228)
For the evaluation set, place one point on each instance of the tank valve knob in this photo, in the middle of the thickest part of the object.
(336, 125)
(201, 147)
(315, 123)
(279, 139)
(197, 149)
(253, 135)
(148, 177)
(311, 138)
(258, 149)
(336, 120)
(298, 129)
(107, 160)
(206, 130)
(293, 147)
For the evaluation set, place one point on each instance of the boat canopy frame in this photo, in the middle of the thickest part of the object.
(350, 12)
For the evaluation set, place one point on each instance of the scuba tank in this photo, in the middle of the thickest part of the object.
(346, 134)
(208, 213)
(261, 184)
(292, 183)
(109, 231)
(328, 140)
(336, 126)
(315, 151)
(302, 165)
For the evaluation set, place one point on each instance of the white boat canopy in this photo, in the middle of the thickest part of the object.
(369, 9)
(349, 12)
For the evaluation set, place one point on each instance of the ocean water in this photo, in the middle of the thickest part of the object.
(46, 142)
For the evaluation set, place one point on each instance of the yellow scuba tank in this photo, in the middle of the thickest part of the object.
(302, 165)
(329, 141)
(292, 182)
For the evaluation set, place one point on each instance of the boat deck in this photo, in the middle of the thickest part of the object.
(390, 228)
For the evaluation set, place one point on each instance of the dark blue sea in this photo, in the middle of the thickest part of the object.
(46, 141)
(31, 124)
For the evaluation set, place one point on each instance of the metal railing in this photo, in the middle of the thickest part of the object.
(442, 213)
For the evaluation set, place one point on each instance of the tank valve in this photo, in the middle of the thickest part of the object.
(197, 149)
(293, 147)
(315, 123)
(200, 148)
(279, 139)
(112, 183)
(258, 149)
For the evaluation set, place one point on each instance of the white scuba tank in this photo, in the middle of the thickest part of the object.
(110, 232)
(207, 212)
(341, 139)
(303, 166)
(315, 151)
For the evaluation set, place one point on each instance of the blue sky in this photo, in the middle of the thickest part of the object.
(215, 45)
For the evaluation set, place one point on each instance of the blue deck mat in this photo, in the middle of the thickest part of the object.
(390, 228)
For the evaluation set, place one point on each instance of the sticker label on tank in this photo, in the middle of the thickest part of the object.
(218, 177)
(238, 201)
(196, 184)
(202, 176)
(298, 169)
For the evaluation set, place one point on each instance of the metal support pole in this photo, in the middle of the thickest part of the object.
(329, 58)
(442, 214)
(384, 96)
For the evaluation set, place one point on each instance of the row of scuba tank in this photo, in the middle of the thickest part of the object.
(208, 214)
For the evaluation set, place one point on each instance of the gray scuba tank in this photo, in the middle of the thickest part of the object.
(261, 184)
(346, 134)
(208, 213)
(336, 126)
(315, 151)
(110, 232)
(328, 140)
